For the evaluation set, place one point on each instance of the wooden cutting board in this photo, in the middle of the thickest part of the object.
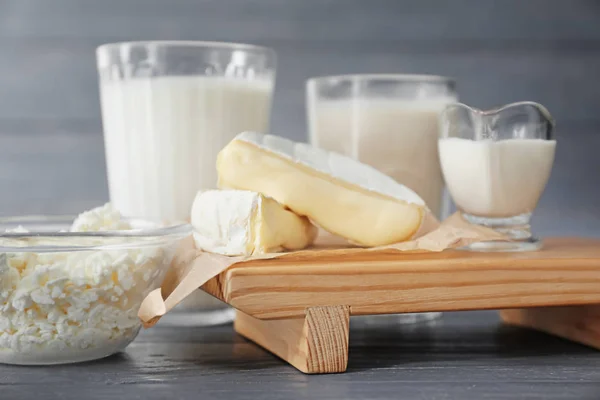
(285, 304)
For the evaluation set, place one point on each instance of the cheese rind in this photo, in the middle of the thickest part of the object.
(238, 222)
(339, 194)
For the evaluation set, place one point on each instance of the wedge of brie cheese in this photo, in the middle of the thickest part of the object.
(239, 222)
(339, 194)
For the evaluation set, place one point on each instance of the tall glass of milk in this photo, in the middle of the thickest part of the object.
(167, 110)
(390, 122)
(496, 164)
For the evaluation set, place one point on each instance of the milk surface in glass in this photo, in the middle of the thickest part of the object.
(162, 136)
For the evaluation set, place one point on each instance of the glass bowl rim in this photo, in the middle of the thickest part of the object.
(137, 237)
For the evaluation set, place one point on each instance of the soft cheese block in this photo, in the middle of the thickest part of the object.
(239, 222)
(339, 194)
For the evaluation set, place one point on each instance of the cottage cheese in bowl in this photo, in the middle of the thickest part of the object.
(73, 296)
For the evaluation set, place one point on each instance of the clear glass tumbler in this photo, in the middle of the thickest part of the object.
(387, 121)
(390, 122)
(496, 165)
(167, 110)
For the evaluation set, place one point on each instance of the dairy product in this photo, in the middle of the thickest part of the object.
(73, 306)
(104, 218)
(162, 136)
(339, 194)
(397, 137)
(239, 222)
(496, 178)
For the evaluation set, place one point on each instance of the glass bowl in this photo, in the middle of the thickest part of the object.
(74, 296)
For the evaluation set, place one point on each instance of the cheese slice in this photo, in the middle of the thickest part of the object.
(341, 195)
(237, 222)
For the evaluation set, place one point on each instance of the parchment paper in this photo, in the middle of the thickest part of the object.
(191, 268)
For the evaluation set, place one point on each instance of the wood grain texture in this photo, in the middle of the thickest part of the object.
(565, 272)
(580, 324)
(314, 344)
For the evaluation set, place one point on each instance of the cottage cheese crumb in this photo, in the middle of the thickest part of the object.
(105, 218)
(75, 306)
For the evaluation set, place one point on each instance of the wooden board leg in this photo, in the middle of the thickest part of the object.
(580, 324)
(315, 344)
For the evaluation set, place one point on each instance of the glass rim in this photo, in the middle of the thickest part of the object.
(188, 43)
(499, 109)
(416, 78)
(159, 233)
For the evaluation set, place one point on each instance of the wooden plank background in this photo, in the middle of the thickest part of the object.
(51, 150)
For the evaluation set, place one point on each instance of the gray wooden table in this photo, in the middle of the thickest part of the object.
(466, 355)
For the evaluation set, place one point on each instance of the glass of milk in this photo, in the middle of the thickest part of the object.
(390, 122)
(496, 165)
(167, 110)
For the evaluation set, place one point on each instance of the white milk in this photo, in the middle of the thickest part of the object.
(162, 136)
(496, 179)
(398, 137)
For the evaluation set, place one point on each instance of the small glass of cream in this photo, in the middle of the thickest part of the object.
(496, 164)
